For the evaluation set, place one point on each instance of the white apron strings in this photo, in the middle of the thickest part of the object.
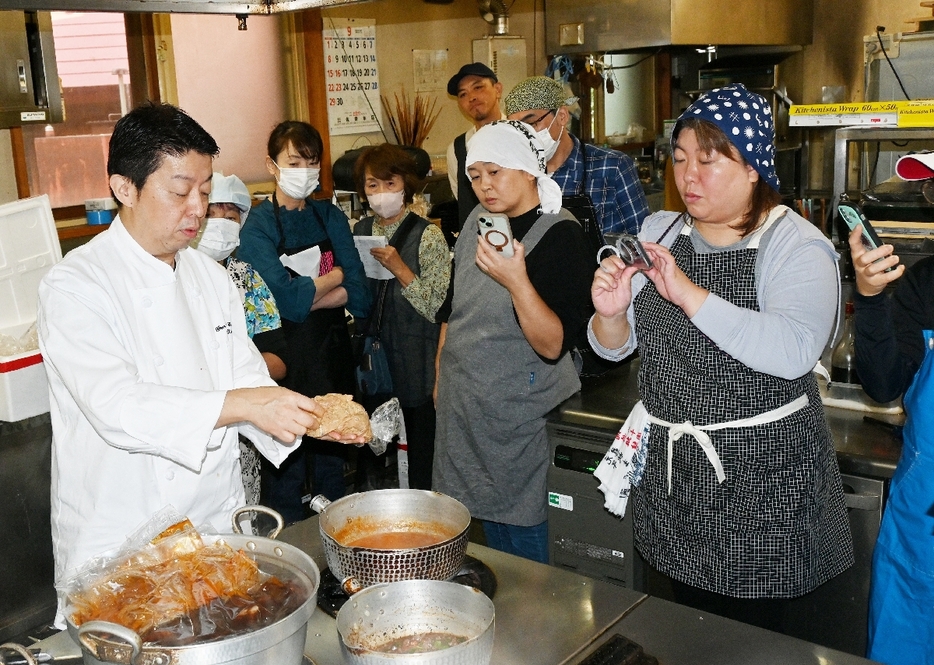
(677, 430)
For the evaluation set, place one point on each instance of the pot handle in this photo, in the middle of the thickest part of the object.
(235, 519)
(29, 658)
(351, 585)
(121, 632)
(319, 503)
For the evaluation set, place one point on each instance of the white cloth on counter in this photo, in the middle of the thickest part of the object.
(622, 466)
(139, 359)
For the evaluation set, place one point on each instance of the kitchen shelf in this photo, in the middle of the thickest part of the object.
(846, 135)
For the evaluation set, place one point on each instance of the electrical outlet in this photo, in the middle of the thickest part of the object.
(872, 50)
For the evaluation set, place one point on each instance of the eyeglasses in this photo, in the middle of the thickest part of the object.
(537, 120)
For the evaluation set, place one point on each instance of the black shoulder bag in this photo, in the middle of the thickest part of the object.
(373, 375)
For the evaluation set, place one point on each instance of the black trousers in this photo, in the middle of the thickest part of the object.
(420, 432)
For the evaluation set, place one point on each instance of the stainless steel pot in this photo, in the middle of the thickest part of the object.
(380, 511)
(104, 643)
(386, 612)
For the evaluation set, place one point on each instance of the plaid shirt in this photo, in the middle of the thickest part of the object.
(612, 184)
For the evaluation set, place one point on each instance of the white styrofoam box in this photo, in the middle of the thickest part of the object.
(28, 249)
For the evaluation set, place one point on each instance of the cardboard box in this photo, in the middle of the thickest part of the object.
(28, 249)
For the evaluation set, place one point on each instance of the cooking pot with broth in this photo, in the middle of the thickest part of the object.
(392, 535)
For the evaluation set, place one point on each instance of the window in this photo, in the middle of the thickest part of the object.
(68, 161)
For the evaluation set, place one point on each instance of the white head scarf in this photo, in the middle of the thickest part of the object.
(513, 145)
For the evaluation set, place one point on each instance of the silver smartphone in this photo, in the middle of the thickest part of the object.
(494, 228)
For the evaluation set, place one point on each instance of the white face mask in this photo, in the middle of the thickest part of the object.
(549, 144)
(298, 183)
(220, 237)
(387, 204)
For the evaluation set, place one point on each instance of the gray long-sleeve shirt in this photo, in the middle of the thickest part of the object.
(798, 288)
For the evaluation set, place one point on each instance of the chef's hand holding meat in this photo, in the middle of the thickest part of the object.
(151, 373)
(895, 354)
(740, 502)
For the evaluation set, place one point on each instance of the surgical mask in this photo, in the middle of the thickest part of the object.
(298, 183)
(387, 204)
(549, 144)
(220, 237)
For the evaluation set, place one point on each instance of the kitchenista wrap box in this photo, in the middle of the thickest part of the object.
(28, 248)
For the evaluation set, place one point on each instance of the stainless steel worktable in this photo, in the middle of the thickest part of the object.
(863, 448)
(548, 616)
(544, 615)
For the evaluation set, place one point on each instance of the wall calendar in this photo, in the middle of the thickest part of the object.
(351, 76)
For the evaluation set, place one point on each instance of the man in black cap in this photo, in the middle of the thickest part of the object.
(478, 92)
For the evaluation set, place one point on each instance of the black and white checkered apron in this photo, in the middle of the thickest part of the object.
(777, 526)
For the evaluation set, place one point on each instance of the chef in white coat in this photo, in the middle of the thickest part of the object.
(151, 372)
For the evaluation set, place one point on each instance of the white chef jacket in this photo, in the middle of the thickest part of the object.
(139, 357)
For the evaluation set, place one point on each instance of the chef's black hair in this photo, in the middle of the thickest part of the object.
(143, 137)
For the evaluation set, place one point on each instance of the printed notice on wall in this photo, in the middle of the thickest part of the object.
(431, 69)
(351, 76)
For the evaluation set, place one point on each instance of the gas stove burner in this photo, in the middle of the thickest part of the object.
(473, 573)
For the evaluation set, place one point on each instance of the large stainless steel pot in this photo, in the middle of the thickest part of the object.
(104, 643)
(381, 511)
(387, 612)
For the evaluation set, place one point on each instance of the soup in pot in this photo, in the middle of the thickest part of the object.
(397, 540)
(420, 643)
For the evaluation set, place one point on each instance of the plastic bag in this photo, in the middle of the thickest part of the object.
(176, 589)
(12, 346)
(385, 423)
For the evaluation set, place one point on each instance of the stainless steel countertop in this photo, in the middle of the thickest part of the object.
(550, 616)
(544, 615)
(863, 448)
(679, 635)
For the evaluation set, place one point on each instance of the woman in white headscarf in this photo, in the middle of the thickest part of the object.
(507, 327)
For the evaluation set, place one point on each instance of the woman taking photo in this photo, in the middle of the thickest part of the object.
(509, 323)
(323, 276)
(417, 255)
(741, 502)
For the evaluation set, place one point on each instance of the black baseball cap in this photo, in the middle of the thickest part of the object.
(472, 69)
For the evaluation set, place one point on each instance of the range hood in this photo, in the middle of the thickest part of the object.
(597, 26)
(174, 6)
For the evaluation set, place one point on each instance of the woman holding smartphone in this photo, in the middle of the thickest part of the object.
(895, 356)
(741, 503)
(507, 326)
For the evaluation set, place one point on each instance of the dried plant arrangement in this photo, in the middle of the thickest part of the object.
(411, 119)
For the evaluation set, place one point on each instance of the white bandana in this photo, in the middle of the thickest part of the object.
(513, 145)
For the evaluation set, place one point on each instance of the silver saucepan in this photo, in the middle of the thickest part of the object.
(283, 642)
(394, 511)
(417, 621)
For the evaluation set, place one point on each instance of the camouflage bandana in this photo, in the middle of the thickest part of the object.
(537, 92)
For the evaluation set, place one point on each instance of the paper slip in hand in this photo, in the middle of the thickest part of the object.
(306, 263)
(373, 268)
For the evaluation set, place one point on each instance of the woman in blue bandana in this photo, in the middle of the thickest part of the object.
(740, 503)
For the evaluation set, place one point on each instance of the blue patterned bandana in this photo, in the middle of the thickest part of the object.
(746, 119)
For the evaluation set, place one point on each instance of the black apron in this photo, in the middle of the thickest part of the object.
(318, 355)
(777, 526)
